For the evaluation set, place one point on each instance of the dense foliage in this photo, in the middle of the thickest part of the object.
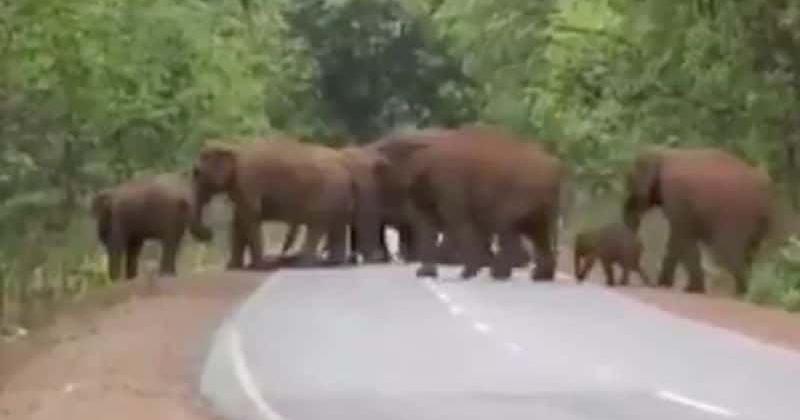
(94, 91)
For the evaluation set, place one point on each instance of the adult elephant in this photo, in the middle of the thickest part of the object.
(362, 222)
(283, 180)
(151, 207)
(708, 196)
(475, 182)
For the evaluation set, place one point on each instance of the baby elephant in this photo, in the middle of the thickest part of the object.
(612, 244)
(153, 207)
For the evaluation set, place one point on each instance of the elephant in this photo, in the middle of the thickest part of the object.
(363, 223)
(159, 207)
(709, 197)
(472, 183)
(280, 179)
(613, 244)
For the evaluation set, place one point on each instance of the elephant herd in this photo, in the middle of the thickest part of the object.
(466, 195)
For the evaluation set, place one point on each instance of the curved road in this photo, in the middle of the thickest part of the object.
(375, 343)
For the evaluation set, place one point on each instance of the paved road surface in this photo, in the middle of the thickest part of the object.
(376, 343)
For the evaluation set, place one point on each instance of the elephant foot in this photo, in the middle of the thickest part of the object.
(377, 257)
(427, 270)
(667, 284)
(469, 272)
(501, 273)
(234, 265)
(695, 288)
(542, 275)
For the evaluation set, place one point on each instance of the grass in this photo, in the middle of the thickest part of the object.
(45, 269)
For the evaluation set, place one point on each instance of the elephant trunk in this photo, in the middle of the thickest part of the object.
(367, 220)
(200, 231)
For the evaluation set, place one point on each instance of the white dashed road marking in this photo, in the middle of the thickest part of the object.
(698, 405)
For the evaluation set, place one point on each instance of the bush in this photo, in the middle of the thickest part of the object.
(776, 281)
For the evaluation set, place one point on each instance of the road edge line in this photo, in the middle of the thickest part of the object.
(697, 405)
(245, 379)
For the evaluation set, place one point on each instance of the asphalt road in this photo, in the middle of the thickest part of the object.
(376, 343)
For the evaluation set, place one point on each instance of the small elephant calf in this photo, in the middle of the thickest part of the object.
(612, 244)
(159, 207)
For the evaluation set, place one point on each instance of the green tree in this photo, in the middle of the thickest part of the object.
(380, 66)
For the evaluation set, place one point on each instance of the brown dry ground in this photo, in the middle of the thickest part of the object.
(129, 353)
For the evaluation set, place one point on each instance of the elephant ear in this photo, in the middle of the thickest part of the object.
(216, 165)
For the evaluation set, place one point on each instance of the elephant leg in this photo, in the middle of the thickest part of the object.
(608, 269)
(370, 242)
(169, 256)
(734, 256)
(308, 255)
(587, 267)
(424, 244)
(518, 254)
(503, 264)
(484, 241)
(251, 228)
(337, 245)
(117, 246)
(407, 246)
(353, 247)
(470, 251)
(132, 252)
(291, 237)
(383, 247)
(447, 250)
(540, 235)
(643, 275)
(666, 277)
(238, 244)
(626, 272)
(692, 262)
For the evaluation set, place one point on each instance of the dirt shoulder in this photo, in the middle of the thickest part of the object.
(768, 325)
(136, 355)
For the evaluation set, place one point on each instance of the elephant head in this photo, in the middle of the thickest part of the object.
(214, 172)
(643, 186)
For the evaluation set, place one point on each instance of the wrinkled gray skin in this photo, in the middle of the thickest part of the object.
(709, 197)
(153, 207)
